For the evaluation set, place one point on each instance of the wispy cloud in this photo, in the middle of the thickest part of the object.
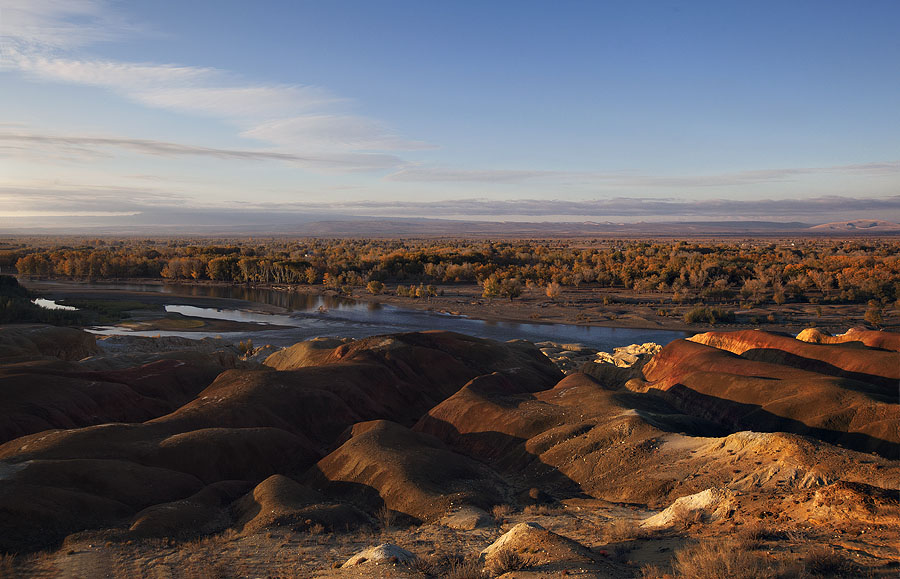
(60, 24)
(628, 207)
(424, 174)
(75, 145)
(186, 89)
(40, 39)
(332, 131)
(75, 200)
(418, 174)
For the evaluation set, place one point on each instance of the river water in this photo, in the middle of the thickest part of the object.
(302, 316)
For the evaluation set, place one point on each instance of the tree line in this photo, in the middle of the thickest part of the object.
(816, 270)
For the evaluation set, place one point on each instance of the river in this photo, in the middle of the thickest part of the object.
(299, 316)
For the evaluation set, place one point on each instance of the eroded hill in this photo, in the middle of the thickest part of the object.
(184, 458)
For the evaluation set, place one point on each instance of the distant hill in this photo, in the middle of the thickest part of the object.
(859, 225)
(420, 227)
(416, 227)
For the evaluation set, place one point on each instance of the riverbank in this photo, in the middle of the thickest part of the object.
(614, 308)
(599, 307)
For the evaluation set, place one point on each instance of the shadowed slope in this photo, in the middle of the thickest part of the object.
(250, 424)
(30, 341)
(409, 472)
(44, 394)
(629, 446)
(743, 394)
(437, 357)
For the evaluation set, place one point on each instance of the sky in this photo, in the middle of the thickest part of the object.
(168, 112)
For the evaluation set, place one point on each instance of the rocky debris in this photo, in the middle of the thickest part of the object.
(381, 554)
(706, 506)
(567, 357)
(260, 354)
(573, 357)
(467, 518)
(629, 356)
(616, 369)
(845, 502)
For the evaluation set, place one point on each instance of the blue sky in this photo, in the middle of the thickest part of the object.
(143, 111)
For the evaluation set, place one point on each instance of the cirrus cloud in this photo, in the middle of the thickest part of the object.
(40, 39)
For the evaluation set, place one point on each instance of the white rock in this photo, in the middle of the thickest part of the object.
(713, 502)
(386, 552)
(513, 536)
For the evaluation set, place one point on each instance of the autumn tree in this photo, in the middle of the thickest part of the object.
(375, 287)
(874, 315)
(553, 290)
(490, 287)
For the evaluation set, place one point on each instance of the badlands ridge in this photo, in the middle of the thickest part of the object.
(443, 454)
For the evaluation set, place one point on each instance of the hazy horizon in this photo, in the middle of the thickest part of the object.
(223, 113)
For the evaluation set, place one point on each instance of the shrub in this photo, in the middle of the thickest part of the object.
(426, 566)
(385, 517)
(686, 518)
(623, 530)
(721, 560)
(245, 346)
(823, 562)
(507, 560)
(873, 315)
(501, 512)
(469, 568)
(7, 565)
(703, 314)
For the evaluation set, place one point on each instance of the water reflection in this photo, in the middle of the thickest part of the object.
(289, 300)
(360, 319)
(307, 315)
(230, 315)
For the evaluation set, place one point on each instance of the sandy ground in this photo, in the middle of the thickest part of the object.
(610, 531)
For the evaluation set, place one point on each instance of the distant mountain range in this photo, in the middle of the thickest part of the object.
(422, 227)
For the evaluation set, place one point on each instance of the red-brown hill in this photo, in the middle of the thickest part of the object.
(848, 359)
(741, 393)
(385, 464)
(247, 425)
